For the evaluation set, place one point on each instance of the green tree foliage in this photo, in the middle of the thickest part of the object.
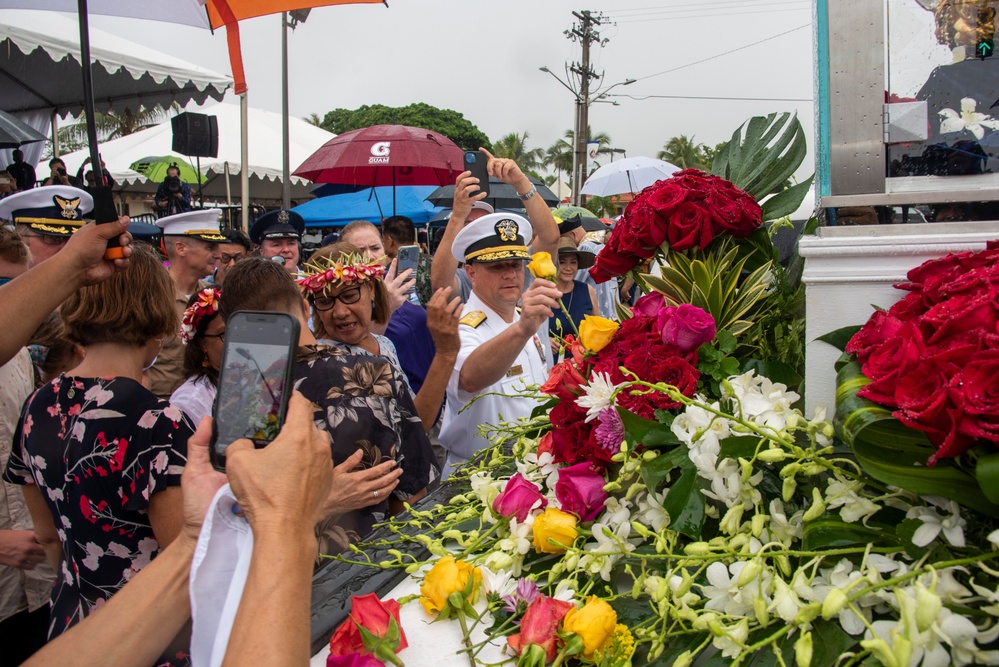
(686, 153)
(314, 119)
(558, 156)
(450, 123)
(110, 125)
(514, 147)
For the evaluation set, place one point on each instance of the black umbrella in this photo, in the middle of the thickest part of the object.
(14, 132)
(501, 195)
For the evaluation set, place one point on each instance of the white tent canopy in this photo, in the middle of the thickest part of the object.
(264, 161)
(40, 72)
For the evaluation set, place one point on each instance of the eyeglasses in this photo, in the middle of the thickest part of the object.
(48, 240)
(226, 258)
(220, 336)
(346, 297)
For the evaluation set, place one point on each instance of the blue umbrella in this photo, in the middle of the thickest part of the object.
(371, 204)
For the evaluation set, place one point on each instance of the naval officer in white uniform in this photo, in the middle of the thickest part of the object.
(501, 350)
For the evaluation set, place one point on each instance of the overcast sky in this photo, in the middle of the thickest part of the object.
(482, 58)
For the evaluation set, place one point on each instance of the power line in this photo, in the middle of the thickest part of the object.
(727, 14)
(641, 98)
(725, 53)
(680, 5)
(721, 6)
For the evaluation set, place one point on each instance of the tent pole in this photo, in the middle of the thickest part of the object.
(55, 134)
(244, 158)
(88, 91)
(228, 187)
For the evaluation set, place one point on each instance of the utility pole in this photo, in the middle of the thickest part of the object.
(584, 32)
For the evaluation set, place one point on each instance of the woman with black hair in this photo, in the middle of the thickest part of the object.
(201, 331)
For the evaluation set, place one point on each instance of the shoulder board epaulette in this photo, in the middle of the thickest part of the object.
(519, 309)
(473, 319)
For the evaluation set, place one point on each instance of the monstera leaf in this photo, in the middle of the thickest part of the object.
(760, 157)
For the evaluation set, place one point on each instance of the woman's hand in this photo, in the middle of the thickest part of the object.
(356, 490)
(398, 286)
(443, 317)
(200, 480)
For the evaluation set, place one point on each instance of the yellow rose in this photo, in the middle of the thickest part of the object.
(542, 266)
(594, 622)
(445, 577)
(557, 525)
(595, 332)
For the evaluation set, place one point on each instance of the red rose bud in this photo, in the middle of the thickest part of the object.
(564, 381)
(518, 499)
(382, 633)
(580, 489)
(686, 327)
(539, 627)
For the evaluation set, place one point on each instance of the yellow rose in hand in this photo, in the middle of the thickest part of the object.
(595, 332)
(594, 622)
(445, 577)
(542, 266)
(557, 525)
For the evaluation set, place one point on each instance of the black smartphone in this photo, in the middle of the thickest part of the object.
(475, 162)
(255, 382)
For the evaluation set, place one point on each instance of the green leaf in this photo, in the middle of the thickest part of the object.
(829, 531)
(656, 470)
(740, 446)
(829, 642)
(685, 503)
(726, 342)
(894, 454)
(840, 337)
(987, 474)
(676, 646)
(641, 431)
(775, 370)
(786, 202)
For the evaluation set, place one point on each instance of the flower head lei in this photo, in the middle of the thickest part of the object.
(318, 274)
(206, 306)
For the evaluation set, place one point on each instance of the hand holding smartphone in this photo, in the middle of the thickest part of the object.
(255, 382)
(476, 162)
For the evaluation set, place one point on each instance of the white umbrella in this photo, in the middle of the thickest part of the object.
(630, 174)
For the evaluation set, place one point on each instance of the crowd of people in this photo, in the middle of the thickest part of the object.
(110, 371)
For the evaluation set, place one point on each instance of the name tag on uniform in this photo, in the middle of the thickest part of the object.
(515, 371)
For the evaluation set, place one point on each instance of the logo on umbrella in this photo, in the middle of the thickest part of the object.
(379, 152)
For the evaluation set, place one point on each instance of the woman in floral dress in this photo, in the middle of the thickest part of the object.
(99, 455)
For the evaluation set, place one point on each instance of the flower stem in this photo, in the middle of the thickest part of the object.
(466, 640)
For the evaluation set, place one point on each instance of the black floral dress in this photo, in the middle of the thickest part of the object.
(98, 449)
(363, 403)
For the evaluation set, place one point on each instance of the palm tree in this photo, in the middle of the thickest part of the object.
(314, 119)
(514, 147)
(559, 154)
(684, 152)
(110, 125)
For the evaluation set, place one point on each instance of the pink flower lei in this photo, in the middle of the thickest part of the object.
(352, 268)
(206, 305)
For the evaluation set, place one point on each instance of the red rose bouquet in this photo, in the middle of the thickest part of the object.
(687, 210)
(933, 357)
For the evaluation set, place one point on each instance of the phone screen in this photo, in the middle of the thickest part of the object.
(409, 255)
(254, 380)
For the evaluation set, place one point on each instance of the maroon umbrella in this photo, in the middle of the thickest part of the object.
(385, 155)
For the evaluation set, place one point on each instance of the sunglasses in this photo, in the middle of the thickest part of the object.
(49, 240)
(346, 297)
(225, 258)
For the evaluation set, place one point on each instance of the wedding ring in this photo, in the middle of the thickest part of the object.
(376, 493)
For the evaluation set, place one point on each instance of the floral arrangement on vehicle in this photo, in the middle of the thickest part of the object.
(670, 503)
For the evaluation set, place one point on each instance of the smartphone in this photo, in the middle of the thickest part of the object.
(409, 255)
(475, 162)
(255, 382)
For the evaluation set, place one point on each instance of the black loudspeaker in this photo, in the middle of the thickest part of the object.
(195, 135)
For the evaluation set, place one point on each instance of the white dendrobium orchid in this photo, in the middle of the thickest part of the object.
(951, 525)
(841, 493)
(724, 593)
(597, 395)
(968, 119)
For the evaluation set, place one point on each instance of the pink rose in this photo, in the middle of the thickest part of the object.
(580, 489)
(686, 326)
(649, 305)
(518, 499)
(353, 660)
(539, 627)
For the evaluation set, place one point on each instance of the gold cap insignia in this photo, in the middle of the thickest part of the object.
(507, 230)
(68, 206)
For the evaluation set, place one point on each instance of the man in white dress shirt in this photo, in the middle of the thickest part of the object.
(500, 348)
